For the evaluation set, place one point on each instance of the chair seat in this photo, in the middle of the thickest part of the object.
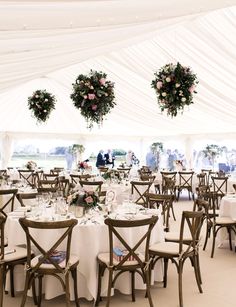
(174, 237)
(105, 258)
(74, 260)
(224, 220)
(170, 248)
(19, 253)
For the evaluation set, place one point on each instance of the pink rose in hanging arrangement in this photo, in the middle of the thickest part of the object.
(94, 96)
(41, 103)
(176, 84)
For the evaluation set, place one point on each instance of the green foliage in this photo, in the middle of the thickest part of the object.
(94, 96)
(157, 147)
(174, 86)
(41, 103)
(212, 151)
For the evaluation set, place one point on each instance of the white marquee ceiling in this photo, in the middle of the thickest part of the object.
(46, 45)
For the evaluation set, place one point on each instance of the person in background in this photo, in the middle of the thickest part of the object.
(109, 158)
(129, 158)
(151, 160)
(100, 159)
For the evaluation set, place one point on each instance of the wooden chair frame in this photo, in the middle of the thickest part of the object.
(186, 182)
(141, 198)
(165, 201)
(38, 270)
(193, 221)
(10, 201)
(27, 176)
(139, 265)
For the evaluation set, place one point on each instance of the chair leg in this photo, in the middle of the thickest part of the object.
(133, 285)
(67, 289)
(197, 271)
(40, 281)
(148, 285)
(100, 273)
(180, 273)
(1, 284)
(11, 269)
(74, 276)
(208, 233)
(165, 272)
(27, 283)
(34, 292)
(230, 238)
(109, 288)
(213, 241)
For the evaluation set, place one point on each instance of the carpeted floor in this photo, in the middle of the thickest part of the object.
(219, 280)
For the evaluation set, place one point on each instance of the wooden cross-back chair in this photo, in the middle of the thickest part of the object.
(27, 176)
(207, 172)
(8, 203)
(9, 258)
(138, 191)
(124, 170)
(219, 188)
(47, 264)
(202, 179)
(186, 183)
(165, 203)
(179, 251)
(95, 186)
(168, 182)
(136, 259)
(75, 179)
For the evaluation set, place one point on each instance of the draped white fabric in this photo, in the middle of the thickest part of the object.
(47, 45)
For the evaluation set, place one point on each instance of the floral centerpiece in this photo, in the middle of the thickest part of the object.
(174, 86)
(112, 174)
(83, 165)
(31, 165)
(41, 103)
(94, 95)
(211, 152)
(86, 199)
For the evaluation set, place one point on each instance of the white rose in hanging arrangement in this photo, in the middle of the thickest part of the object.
(177, 84)
(94, 96)
(41, 103)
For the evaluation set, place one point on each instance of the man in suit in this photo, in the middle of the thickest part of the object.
(100, 159)
(109, 158)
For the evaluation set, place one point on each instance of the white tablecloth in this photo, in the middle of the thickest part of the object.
(87, 241)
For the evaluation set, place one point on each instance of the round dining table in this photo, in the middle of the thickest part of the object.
(90, 237)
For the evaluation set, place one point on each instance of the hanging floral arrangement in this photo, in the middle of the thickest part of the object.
(94, 95)
(41, 103)
(174, 86)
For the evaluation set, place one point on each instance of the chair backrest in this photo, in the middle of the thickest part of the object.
(95, 186)
(186, 179)
(3, 172)
(191, 223)
(9, 202)
(50, 177)
(84, 177)
(147, 177)
(207, 172)
(132, 251)
(23, 197)
(202, 179)
(75, 178)
(162, 201)
(27, 176)
(63, 238)
(219, 185)
(56, 170)
(124, 170)
(64, 186)
(138, 190)
(44, 183)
